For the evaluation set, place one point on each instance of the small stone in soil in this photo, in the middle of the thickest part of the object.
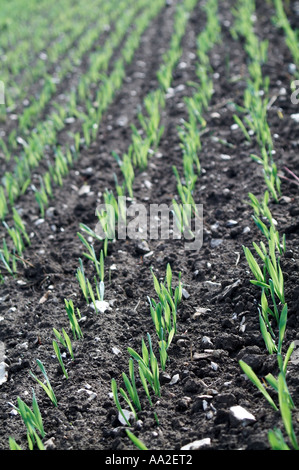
(185, 294)
(239, 414)
(216, 242)
(206, 341)
(199, 444)
(174, 379)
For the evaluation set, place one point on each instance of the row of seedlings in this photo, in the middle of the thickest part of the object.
(268, 277)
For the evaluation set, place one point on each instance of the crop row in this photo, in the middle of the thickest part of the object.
(268, 275)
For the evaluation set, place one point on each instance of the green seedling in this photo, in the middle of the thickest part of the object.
(3, 204)
(59, 357)
(256, 381)
(137, 442)
(72, 315)
(102, 266)
(33, 421)
(16, 237)
(116, 400)
(65, 340)
(148, 366)
(46, 386)
(13, 444)
(92, 296)
(80, 275)
(242, 127)
(133, 399)
(8, 259)
(163, 350)
(91, 255)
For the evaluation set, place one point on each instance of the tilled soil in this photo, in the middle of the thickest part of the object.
(218, 316)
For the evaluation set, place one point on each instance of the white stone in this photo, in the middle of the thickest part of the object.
(195, 445)
(3, 373)
(239, 414)
(174, 379)
(225, 156)
(101, 305)
(128, 414)
(116, 350)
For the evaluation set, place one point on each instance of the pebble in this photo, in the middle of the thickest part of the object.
(239, 414)
(292, 68)
(174, 379)
(122, 121)
(3, 371)
(196, 445)
(185, 294)
(85, 189)
(205, 405)
(295, 355)
(198, 356)
(212, 286)
(39, 222)
(206, 341)
(101, 305)
(165, 377)
(225, 157)
(231, 223)
(69, 120)
(87, 171)
(50, 444)
(182, 65)
(128, 414)
(216, 242)
(116, 350)
(148, 184)
(22, 142)
(209, 414)
(201, 310)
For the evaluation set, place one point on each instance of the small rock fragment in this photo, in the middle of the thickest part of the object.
(128, 415)
(116, 350)
(174, 379)
(196, 445)
(238, 414)
(50, 444)
(206, 341)
(101, 306)
(212, 286)
(216, 242)
(185, 294)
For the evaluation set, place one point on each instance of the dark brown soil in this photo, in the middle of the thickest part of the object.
(216, 278)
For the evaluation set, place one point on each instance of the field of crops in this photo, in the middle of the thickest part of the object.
(149, 260)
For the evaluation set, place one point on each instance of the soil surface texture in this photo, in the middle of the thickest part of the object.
(218, 317)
